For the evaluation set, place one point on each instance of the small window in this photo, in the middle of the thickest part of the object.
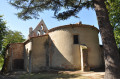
(76, 41)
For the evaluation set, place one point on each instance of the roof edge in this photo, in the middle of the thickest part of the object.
(34, 37)
(72, 25)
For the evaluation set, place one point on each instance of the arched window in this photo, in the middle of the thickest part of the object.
(38, 33)
(41, 27)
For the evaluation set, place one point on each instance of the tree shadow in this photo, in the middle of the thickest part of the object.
(49, 75)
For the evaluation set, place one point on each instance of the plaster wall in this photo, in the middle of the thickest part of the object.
(67, 55)
(39, 51)
(27, 53)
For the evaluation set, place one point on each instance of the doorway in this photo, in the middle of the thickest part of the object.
(18, 64)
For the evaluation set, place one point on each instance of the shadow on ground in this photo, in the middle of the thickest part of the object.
(48, 76)
(41, 75)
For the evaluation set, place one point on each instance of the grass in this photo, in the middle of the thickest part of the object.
(52, 76)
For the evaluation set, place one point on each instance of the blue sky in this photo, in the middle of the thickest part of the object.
(14, 23)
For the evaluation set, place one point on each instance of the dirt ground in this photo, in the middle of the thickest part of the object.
(54, 75)
(90, 74)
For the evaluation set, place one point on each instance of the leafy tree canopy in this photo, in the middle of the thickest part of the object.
(114, 12)
(2, 31)
(114, 16)
(117, 36)
(12, 37)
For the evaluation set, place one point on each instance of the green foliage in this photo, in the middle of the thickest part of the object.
(12, 37)
(117, 36)
(113, 7)
(1, 61)
(31, 8)
(2, 31)
(114, 12)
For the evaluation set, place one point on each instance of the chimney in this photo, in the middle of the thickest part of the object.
(30, 30)
(79, 22)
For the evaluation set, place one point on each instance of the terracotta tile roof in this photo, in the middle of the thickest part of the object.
(73, 25)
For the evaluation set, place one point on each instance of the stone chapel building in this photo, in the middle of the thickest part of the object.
(69, 47)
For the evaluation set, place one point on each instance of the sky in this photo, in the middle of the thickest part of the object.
(87, 16)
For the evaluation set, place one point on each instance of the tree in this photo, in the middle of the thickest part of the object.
(12, 37)
(2, 34)
(2, 31)
(114, 16)
(31, 8)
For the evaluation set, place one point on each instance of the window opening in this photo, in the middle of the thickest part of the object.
(76, 40)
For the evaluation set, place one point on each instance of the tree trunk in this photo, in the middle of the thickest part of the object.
(111, 54)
